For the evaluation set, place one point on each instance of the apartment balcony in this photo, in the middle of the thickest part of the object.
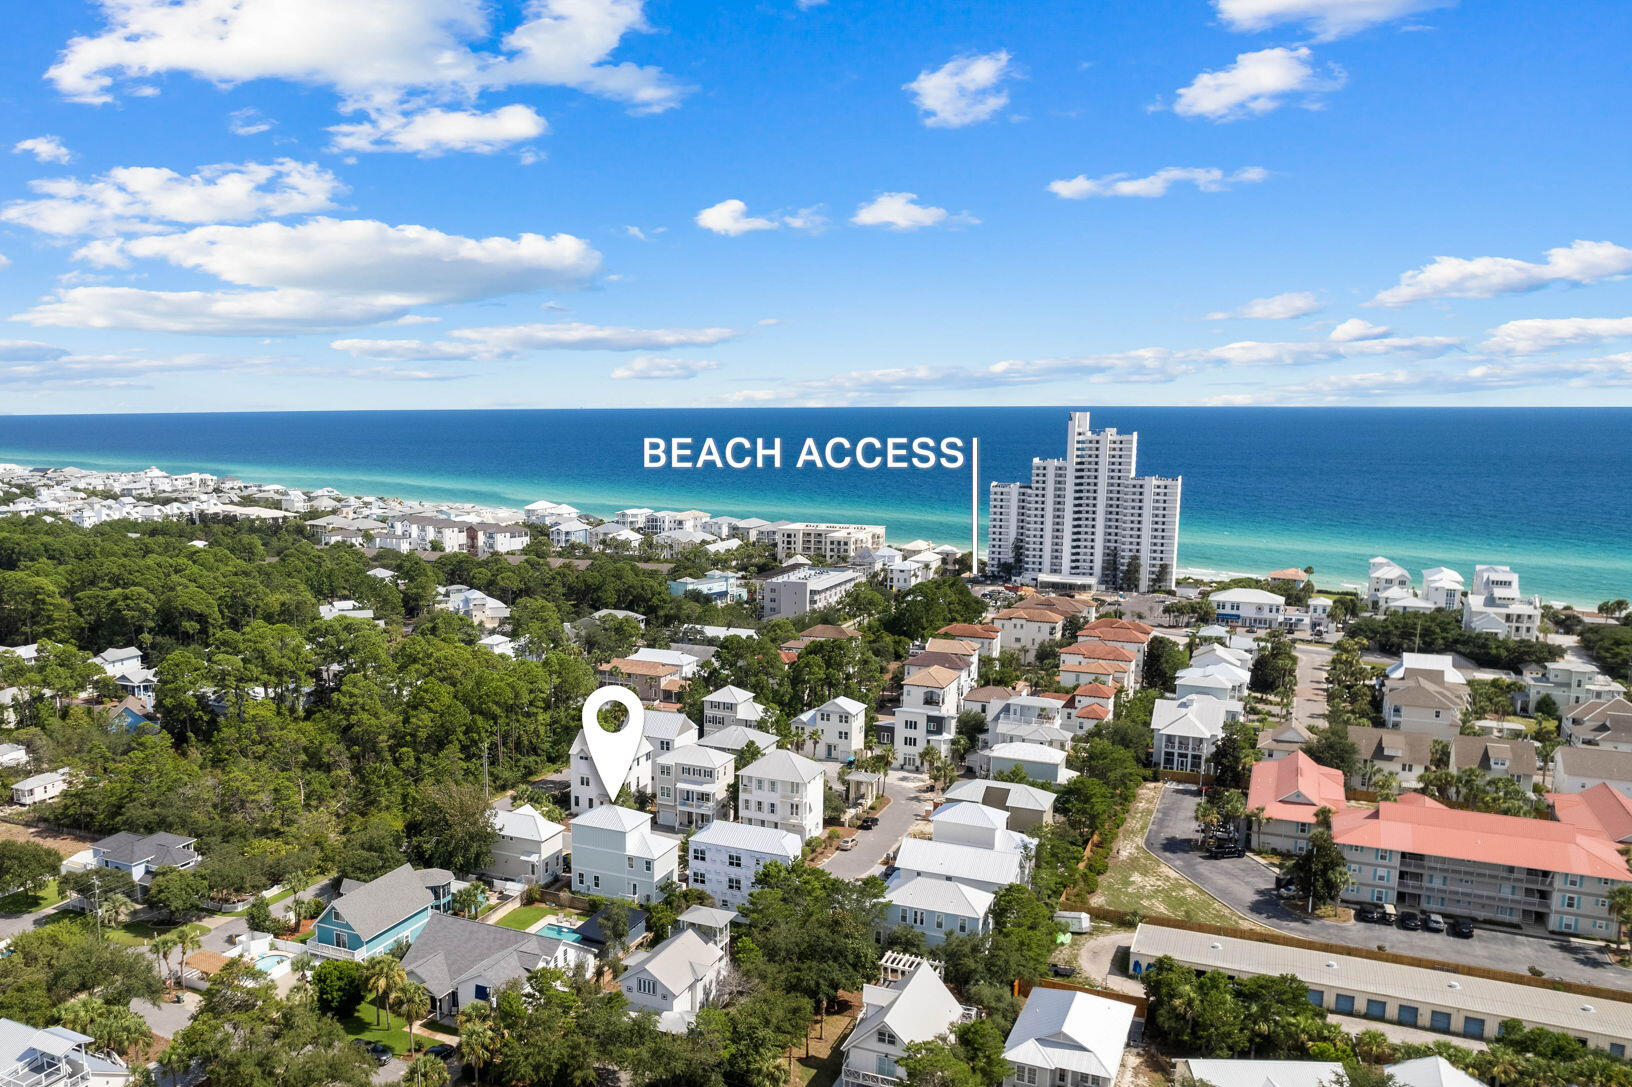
(46, 1071)
(856, 1078)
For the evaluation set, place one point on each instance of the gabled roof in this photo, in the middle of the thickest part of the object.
(784, 765)
(1002, 794)
(1098, 651)
(1602, 810)
(971, 813)
(939, 896)
(679, 962)
(982, 631)
(525, 822)
(1602, 763)
(950, 860)
(1070, 1029)
(765, 840)
(371, 908)
(918, 1008)
(1255, 1073)
(613, 817)
(737, 737)
(450, 949)
(1433, 1071)
(728, 693)
(161, 849)
(934, 676)
(1293, 788)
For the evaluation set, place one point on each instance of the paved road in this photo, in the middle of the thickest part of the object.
(907, 802)
(1309, 700)
(13, 923)
(1248, 887)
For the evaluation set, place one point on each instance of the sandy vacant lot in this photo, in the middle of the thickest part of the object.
(62, 843)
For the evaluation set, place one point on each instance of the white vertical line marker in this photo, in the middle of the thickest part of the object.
(974, 509)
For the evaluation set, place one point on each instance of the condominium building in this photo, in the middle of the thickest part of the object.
(804, 589)
(1087, 515)
(834, 542)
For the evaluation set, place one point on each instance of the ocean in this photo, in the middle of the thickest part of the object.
(1544, 490)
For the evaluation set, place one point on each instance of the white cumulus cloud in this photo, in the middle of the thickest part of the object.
(1327, 18)
(139, 199)
(432, 132)
(43, 148)
(377, 53)
(650, 368)
(249, 122)
(1277, 307)
(964, 91)
(320, 274)
(1486, 277)
(1356, 329)
(1257, 83)
(1204, 178)
(901, 211)
(731, 218)
(1538, 334)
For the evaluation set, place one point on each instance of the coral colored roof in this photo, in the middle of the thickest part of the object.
(1095, 667)
(1482, 838)
(1094, 712)
(934, 676)
(1061, 698)
(1294, 787)
(1291, 573)
(1097, 690)
(1098, 651)
(1035, 615)
(1130, 625)
(629, 666)
(1419, 800)
(1602, 810)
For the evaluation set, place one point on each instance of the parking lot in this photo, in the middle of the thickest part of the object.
(1248, 887)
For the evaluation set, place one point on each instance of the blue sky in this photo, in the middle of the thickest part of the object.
(298, 204)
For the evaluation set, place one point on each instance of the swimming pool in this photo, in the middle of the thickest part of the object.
(271, 962)
(559, 933)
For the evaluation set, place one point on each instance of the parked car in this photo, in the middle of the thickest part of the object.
(441, 1051)
(1410, 920)
(1462, 927)
(1433, 922)
(1226, 850)
(1061, 970)
(1390, 914)
(868, 822)
(1371, 915)
(847, 843)
(379, 1051)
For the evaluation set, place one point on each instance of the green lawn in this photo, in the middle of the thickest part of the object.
(137, 933)
(1137, 880)
(360, 1024)
(29, 901)
(525, 917)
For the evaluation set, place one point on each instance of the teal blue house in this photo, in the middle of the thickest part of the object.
(367, 918)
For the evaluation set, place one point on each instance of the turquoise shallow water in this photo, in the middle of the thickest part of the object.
(1546, 491)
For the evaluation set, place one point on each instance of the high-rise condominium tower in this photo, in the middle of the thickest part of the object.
(1087, 519)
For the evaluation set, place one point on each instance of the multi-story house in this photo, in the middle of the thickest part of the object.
(916, 1008)
(676, 979)
(1291, 791)
(693, 785)
(1026, 626)
(1566, 682)
(1386, 577)
(838, 727)
(616, 855)
(53, 1057)
(141, 855)
(1093, 661)
(1408, 754)
(782, 790)
(1188, 729)
(1067, 1038)
(1602, 722)
(1577, 769)
(931, 699)
(726, 857)
(1420, 703)
(1082, 515)
(528, 848)
(1027, 806)
(1443, 588)
(718, 586)
(986, 637)
(652, 680)
(1493, 605)
(1254, 609)
(367, 919)
(668, 730)
(589, 791)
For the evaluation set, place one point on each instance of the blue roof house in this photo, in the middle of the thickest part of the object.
(368, 918)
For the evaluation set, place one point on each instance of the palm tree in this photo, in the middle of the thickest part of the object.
(188, 940)
(303, 963)
(1620, 908)
(120, 1030)
(80, 1013)
(426, 1071)
(382, 976)
(115, 910)
(478, 1034)
(414, 1001)
(162, 946)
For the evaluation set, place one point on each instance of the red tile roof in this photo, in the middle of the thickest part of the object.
(1293, 788)
(1093, 711)
(1480, 837)
(1096, 690)
(1132, 626)
(1098, 651)
(983, 631)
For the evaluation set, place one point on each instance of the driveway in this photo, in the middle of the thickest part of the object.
(13, 923)
(1309, 699)
(1247, 886)
(907, 802)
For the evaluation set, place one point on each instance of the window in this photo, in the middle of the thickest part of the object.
(699, 855)
(886, 1036)
(698, 879)
(646, 986)
(733, 860)
(733, 884)
(886, 1066)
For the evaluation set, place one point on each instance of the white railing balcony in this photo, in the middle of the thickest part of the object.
(45, 1071)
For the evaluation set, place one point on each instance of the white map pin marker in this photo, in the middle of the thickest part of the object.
(613, 753)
